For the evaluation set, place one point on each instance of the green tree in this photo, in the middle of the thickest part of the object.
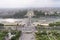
(20, 14)
(1, 24)
(39, 13)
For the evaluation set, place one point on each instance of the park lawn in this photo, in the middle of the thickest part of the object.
(51, 38)
(2, 35)
(17, 35)
(43, 35)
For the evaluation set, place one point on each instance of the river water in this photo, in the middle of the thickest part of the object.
(25, 20)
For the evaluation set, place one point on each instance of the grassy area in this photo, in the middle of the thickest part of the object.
(3, 34)
(17, 35)
(47, 35)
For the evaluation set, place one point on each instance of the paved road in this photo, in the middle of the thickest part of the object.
(26, 29)
(27, 36)
(27, 33)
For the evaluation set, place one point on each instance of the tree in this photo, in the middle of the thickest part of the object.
(20, 14)
(39, 13)
(1, 24)
(51, 24)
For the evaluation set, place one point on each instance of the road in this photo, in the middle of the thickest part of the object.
(27, 36)
(27, 33)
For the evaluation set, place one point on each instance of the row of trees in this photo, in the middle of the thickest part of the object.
(55, 24)
(21, 14)
(1, 24)
(40, 13)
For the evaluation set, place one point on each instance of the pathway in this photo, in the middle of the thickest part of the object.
(27, 34)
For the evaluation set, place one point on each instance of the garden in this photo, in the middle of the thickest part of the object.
(47, 35)
(17, 35)
(4, 34)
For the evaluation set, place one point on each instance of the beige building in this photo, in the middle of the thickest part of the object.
(38, 23)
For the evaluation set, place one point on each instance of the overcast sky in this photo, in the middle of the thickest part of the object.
(29, 3)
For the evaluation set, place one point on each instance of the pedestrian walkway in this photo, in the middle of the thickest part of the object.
(27, 33)
(27, 36)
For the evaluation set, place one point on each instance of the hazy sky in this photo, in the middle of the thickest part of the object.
(29, 3)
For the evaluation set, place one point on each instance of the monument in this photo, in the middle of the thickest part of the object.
(30, 14)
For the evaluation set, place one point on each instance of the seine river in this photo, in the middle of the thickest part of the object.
(41, 19)
(25, 20)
